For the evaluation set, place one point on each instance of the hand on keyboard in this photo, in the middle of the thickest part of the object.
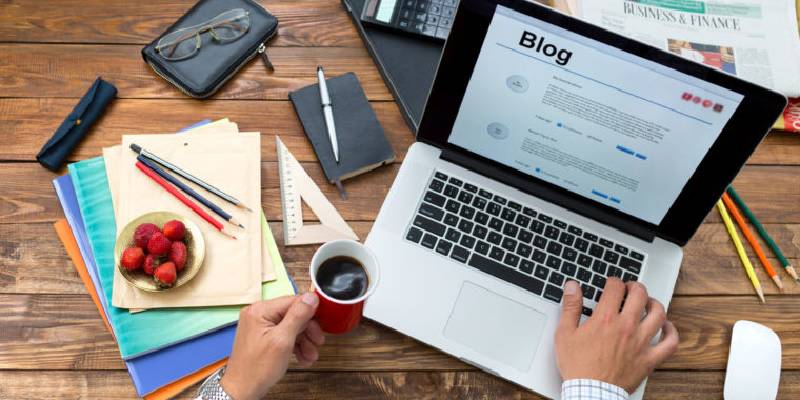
(614, 344)
(516, 243)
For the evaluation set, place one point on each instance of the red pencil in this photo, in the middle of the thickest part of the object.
(185, 200)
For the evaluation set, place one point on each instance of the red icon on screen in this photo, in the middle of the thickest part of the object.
(706, 103)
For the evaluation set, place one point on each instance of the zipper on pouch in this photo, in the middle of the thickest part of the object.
(262, 51)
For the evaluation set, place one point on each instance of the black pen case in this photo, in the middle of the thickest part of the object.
(215, 63)
(77, 124)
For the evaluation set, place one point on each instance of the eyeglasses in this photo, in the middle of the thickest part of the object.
(185, 42)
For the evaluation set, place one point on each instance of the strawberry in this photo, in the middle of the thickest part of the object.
(158, 244)
(174, 230)
(166, 275)
(177, 254)
(150, 264)
(143, 233)
(132, 258)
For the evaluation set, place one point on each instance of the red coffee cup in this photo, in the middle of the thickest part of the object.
(341, 316)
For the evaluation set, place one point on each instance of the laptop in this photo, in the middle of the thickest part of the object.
(550, 149)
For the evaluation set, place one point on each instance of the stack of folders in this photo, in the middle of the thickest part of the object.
(168, 343)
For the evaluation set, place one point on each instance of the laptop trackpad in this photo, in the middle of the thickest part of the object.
(495, 326)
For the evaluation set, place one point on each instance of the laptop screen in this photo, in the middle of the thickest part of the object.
(602, 123)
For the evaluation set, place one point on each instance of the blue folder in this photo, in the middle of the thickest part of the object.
(157, 369)
(153, 370)
(69, 202)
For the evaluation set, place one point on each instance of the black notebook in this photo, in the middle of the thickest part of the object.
(362, 142)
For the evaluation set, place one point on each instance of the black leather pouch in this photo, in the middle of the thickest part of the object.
(77, 124)
(214, 63)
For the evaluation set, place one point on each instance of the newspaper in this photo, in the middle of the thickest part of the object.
(756, 40)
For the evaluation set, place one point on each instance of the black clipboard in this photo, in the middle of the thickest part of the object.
(408, 77)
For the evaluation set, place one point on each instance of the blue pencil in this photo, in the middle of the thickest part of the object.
(188, 190)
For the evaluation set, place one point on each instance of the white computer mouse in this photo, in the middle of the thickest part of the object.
(754, 363)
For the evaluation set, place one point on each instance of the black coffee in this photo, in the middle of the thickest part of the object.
(343, 278)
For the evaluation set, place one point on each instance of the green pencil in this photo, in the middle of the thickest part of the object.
(763, 232)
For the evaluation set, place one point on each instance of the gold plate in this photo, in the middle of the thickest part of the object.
(195, 250)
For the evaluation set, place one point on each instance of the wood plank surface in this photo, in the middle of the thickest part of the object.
(113, 385)
(64, 332)
(26, 124)
(52, 342)
(32, 261)
(47, 71)
(26, 193)
(301, 22)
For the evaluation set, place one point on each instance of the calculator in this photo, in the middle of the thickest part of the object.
(427, 18)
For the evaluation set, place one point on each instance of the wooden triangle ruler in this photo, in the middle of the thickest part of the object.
(296, 187)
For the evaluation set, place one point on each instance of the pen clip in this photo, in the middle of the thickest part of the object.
(339, 186)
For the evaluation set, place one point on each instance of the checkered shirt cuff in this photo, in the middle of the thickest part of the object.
(590, 389)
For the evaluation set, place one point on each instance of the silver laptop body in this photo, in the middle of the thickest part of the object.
(550, 150)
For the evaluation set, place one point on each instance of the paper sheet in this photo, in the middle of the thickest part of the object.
(225, 159)
(267, 267)
(755, 40)
(112, 156)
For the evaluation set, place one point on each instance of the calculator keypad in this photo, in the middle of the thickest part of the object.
(432, 18)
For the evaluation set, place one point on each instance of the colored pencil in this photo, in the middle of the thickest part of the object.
(748, 267)
(185, 200)
(734, 212)
(189, 177)
(763, 232)
(188, 190)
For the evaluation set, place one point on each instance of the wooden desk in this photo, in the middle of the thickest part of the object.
(52, 342)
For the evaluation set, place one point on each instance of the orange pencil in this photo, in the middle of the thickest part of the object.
(752, 240)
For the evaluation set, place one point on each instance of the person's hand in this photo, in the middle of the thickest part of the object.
(613, 346)
(269, 332)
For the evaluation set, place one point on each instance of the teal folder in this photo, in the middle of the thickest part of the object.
(145, 332)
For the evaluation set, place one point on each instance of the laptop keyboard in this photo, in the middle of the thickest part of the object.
(517, 244)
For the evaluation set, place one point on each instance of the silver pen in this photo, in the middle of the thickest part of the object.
(189, 177)
(327, 110)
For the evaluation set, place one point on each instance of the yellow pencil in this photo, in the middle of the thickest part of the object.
(748, 267)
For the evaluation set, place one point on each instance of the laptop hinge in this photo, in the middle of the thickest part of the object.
(528, 186)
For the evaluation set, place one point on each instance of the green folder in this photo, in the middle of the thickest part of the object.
(141, 333)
